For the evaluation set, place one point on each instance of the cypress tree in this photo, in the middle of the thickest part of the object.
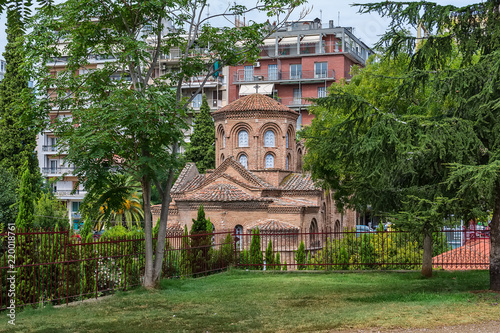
(300, 256)
(26, 201)
(201, 242)
(201, 149)
(270, 256)
(277, 261)
(256, 259)
(17, 131)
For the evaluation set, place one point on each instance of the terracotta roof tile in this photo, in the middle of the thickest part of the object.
(255, 102)
(182, 180)
(475, 254)
(222, 192)
(273, 225)
(299, 182)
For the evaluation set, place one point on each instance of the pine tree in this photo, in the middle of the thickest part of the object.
(201, 149)
(17, 132)
(26, 201)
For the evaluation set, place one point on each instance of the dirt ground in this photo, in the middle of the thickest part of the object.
(487, 327)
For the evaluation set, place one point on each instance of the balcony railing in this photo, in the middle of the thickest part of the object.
(68, 192)
(294, 101)
(240, 76)
(57, 170)
(49, 148)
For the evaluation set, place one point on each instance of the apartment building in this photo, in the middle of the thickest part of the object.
(3, 67)
(300, 61)
(52, 160)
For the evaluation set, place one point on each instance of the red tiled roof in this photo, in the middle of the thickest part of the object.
(475, 254)
(222, 192)
(255, 102)
(273, 225)
(299, 182)
(182, 179)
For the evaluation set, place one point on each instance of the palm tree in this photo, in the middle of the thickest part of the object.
(121, 203)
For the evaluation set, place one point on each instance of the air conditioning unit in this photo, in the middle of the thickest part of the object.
(257, 64)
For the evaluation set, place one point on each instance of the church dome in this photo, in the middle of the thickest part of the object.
(255, 102)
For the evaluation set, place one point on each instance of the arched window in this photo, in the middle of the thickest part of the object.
(222, 158)
(313, 230)
(243, 139)
(269, 161)
(336, 229)
(244, 161)
(299, 160)
(288, 162)
(269, 139)
(287, 140)
(238, 230)
(223, 140)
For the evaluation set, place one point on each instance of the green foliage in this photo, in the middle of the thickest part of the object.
(26, 201)
(270, 256)
(285, 267)
(277, 261)
(300, 257)
(118, 231)
(86, 230)
(201, 149)
(255, 256)
(17, 132)
(185, 264)
(49, 213)
(381, 250)
(8, 197)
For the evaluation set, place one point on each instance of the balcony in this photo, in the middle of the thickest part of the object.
(283, 77)
(49, 148)
(294, 101)
(69, 194)
(57, 171)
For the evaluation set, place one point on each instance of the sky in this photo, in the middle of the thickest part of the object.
(367, 27)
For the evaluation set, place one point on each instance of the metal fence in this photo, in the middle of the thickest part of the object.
(52, 266)
(360, 250)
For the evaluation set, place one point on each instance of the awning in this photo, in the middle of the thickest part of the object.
(288, 40)
(310, 39)
(264, 88)
(269, 42)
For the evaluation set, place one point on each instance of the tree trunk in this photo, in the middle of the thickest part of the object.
(162, 231)
(148, 233)
(427, 255)
(495, 244)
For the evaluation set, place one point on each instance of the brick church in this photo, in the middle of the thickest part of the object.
(258, 180)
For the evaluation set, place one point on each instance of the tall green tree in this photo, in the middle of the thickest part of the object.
(201, 148)
(8, 197)
(127, 116)
(50, 213)
(26, 206)
(17, 131)
(440, 153)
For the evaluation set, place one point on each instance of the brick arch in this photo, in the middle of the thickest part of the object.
(233, 136)
(269, 152)
(249, 159)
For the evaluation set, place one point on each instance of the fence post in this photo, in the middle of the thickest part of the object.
(66, 244)
(235, 248)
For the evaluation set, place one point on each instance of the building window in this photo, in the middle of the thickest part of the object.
(269, 139)
(299, 121)
(297, 96)
(288, 162)
(244, 161)
(321, 92)
(269, 161)
(320, 69)
(248, 73)
(196, 103)
(295, 71)
(287, 139)
(223, 140)
(238, 231)
(222, 158)
(272, 72)
(243, 139)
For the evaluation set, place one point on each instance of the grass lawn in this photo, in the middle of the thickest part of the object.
(239, 301)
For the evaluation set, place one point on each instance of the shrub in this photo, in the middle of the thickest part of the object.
(270, 256)
(300, 257)
(256, 260)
